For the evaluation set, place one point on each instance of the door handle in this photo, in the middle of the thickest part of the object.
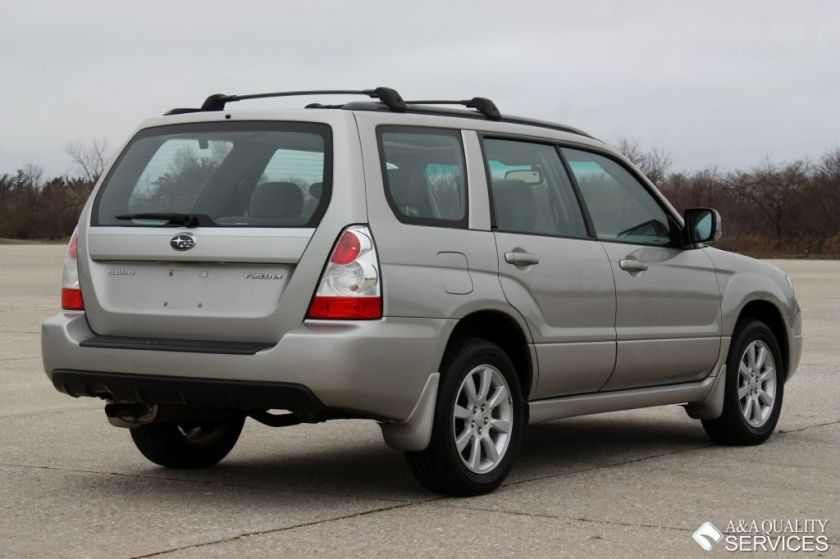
(521, 258)
(632, 266)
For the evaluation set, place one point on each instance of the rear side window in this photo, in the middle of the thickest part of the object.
(230, 174)
(621, 208)
(424, 174)
(531, 191)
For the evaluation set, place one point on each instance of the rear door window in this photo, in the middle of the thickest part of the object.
(424, 174)
(531, 191)
(231, 174)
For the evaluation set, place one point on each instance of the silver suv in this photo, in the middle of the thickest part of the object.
(453, 274)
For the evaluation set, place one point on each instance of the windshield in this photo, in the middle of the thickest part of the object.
(228, 174)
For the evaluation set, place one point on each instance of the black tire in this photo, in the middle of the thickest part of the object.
(440, 467)
(190, 444)
(732, 428)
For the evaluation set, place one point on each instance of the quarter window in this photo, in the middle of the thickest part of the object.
(621, 208)
(531, 191)
(424, 176)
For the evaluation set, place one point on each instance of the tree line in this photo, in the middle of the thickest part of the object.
(782, 209)
(772, 209)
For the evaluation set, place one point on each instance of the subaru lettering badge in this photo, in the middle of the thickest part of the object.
(184, 241)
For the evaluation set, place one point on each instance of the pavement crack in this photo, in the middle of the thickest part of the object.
(799, 429)
(559, 517)
(278, 530)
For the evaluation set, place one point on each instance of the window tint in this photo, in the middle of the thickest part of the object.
(621, 207)
(227, 174)
(424, 175)
(531, 191)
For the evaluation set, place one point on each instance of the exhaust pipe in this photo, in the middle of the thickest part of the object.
(128, 415)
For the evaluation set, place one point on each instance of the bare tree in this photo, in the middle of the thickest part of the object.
(654, 163)
(770, 189)
(92, 157)
(33, 175)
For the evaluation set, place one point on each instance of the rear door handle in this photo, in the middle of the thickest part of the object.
(631, 266)
(521, 258)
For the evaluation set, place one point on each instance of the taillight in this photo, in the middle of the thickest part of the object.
(71, 295)
(350, 287)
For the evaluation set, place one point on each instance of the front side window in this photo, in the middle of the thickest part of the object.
(231, 174)
(530, 190)
(424, 175)
(621, 208)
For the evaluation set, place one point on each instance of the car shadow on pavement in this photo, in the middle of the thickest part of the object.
(367, 469)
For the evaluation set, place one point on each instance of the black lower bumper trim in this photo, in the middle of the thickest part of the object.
(168, 344)
(188, 391)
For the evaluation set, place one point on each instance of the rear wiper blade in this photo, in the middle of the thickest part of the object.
(186, 220)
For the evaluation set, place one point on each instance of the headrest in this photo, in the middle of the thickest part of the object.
(283, 200)
(315, 190)
(515, 205)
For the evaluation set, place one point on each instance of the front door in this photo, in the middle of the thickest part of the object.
(668, 317)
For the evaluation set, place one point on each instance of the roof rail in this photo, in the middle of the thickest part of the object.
(217, 102)
(482, 104)
(392, 101)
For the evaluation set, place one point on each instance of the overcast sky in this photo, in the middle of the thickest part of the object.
(712, 83)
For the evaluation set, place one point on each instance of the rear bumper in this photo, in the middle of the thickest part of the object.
(375, 369)
(195, 392)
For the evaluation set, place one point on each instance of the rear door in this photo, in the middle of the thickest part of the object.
(668, 317)
(246, 198)
(551, 269)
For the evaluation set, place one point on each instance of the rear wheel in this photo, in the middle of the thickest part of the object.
(478, 424)
(754, 388)
(193, 444)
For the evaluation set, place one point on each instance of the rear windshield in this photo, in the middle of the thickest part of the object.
(227, 174)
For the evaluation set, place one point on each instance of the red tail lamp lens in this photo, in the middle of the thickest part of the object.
(71, 300)
(344, 308)
(347, 249)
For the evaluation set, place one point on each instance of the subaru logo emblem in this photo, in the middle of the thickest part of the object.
(184, 241)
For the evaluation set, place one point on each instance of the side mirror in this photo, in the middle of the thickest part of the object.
(702, 225)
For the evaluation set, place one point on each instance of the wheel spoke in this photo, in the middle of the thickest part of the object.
(768, 373)
(756, 409)
(484, 386)
(463, 439)
(469, 390)
(498, 397)
(748, 407)
(742, 391)
(490, 448)
(461, 412)
(500, 425)
(475, 453)
(765, 397)
(751, 357)
(744, 370)
(762, 354)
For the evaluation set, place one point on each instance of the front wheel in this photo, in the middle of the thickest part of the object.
(754, 388)
(478, 424)
(193, 444)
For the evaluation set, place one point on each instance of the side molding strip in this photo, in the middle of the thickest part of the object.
(571, 406)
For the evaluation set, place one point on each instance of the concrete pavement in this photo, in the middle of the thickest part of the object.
(633, 483)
